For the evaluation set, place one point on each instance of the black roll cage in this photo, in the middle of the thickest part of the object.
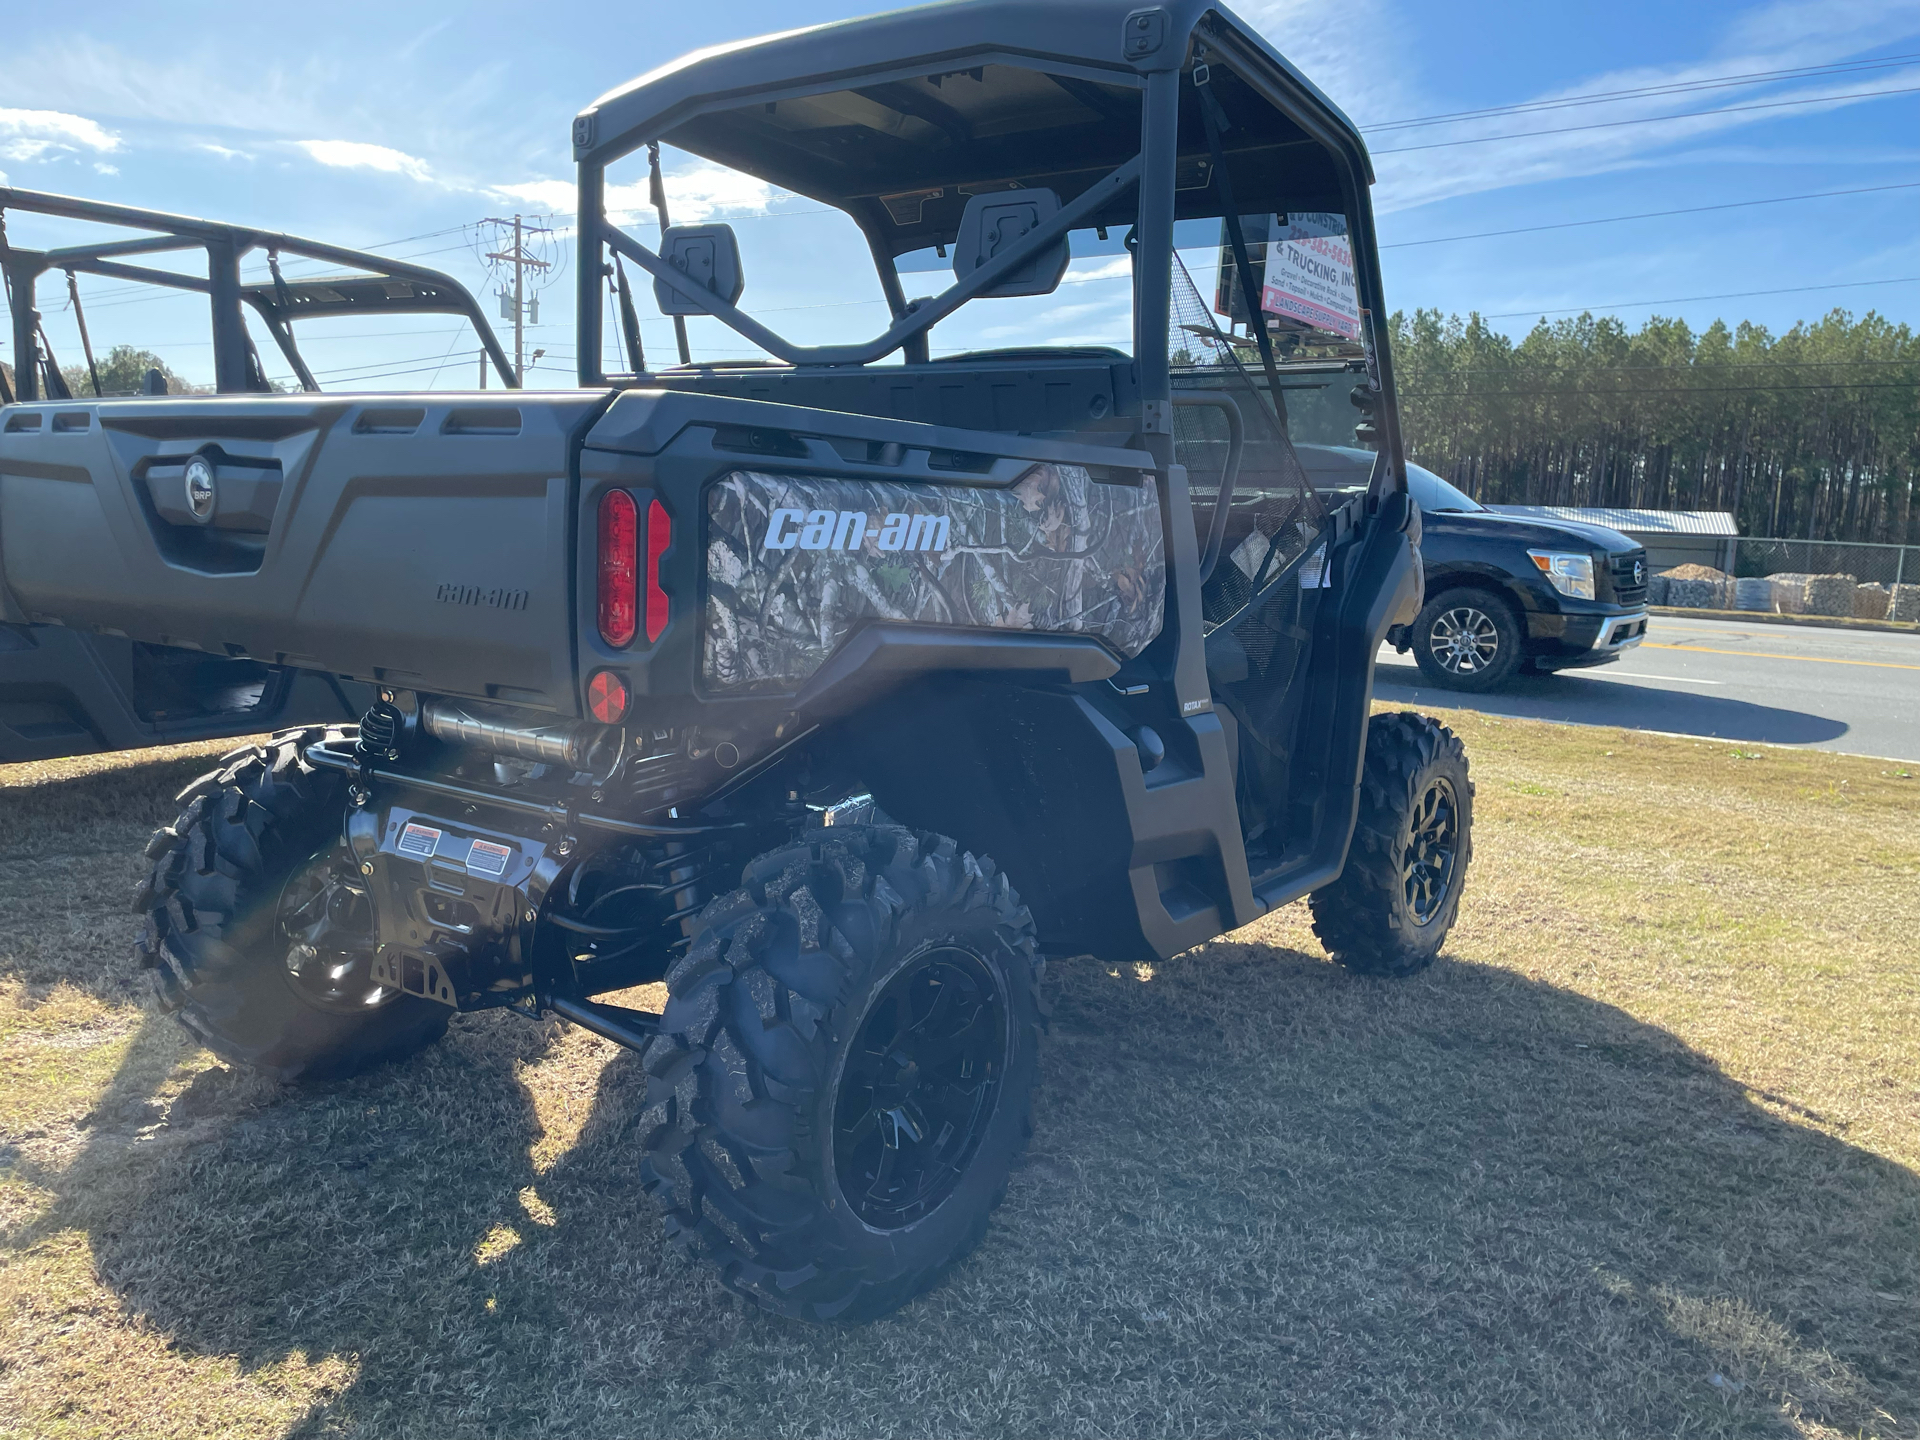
(1190, 34)
(386, 287)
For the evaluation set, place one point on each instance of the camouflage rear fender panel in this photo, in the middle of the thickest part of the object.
(795, 564)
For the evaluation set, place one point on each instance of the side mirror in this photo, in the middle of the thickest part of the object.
(997, 222)
(709, 255)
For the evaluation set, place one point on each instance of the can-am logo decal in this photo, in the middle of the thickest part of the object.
(848, 530)
(493, 597)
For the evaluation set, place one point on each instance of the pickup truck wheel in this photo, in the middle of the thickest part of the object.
(259, 936)
(842, 1078)
(1391, 908)
(1467, 640)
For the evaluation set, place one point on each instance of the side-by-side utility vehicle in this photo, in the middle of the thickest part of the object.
(733, 675)
(69, 690)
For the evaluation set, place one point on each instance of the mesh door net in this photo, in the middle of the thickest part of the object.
(1274, 515)
(1260, 600)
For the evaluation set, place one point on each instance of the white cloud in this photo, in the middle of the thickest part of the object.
(704, 192)
(1843, 27)
(222, 151)
(36, 134)
(1048, 324)
(1353, 50)
(1339, 44)
(1421, 176)
(1118, 267)
(358, 155)
(203, 86)
(549, 196)
(107, 169)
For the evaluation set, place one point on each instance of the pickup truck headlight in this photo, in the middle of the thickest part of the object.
(1571, 575)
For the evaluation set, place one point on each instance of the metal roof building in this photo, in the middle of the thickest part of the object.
(1672, 537)
(1632, 522)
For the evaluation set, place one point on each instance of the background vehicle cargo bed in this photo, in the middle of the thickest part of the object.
(417, 540)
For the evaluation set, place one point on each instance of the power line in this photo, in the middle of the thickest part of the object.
(1650, 215)
(1710, 365)
(1651, 119)
(1691, 299)
(1678, 87)
(1607, 392)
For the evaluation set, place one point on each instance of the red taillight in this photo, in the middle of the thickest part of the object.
(619, 567)
(659, 536)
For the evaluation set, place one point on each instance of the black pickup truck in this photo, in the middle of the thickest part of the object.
(1503, 592)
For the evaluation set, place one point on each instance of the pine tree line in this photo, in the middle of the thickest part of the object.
(1814, 433)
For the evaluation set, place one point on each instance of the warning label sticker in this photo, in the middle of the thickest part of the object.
(421, 840)
(487, 858)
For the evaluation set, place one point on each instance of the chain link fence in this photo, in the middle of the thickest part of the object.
(1866, 563)
(1801, 577)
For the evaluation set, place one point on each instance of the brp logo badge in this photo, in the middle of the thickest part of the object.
(201, 494)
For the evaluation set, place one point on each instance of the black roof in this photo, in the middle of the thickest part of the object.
(867, 114)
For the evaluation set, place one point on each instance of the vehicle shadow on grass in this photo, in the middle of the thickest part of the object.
(69, 858)
(1570, 697)
(1264, 1197)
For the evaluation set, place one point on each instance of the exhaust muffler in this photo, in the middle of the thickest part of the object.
(572, 743)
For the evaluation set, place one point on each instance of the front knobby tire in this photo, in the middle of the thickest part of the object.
(1391, 908)
(256, 933)
(843, 1074)
(1468, 639)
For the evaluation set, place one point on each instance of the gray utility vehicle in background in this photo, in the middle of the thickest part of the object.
(732, 676)
(66, 690)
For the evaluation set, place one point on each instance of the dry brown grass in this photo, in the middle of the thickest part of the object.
(1637, 1158)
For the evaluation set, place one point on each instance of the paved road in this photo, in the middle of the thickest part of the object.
(1851, 690)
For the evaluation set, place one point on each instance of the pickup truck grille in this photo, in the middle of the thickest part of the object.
(1629, 575)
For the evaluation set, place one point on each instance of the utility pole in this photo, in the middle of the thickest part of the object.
(521, 262)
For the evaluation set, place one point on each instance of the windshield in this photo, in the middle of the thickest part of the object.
(1436, 496)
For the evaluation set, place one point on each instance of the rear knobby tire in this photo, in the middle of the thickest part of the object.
(214, 938)
(1391, 908)
(768, 1127)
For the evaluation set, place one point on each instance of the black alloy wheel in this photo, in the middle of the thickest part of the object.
(843, 1075)
(918, 1087)
(1467, 640)
(1390, 911)
(1433, 850)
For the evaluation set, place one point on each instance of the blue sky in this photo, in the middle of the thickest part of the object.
(403, 120)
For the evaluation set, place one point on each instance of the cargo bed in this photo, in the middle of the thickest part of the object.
(403, 539)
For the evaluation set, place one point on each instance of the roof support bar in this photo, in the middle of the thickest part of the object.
(235, 362)
(1092, 200)
(231, 371)
(153, 245)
